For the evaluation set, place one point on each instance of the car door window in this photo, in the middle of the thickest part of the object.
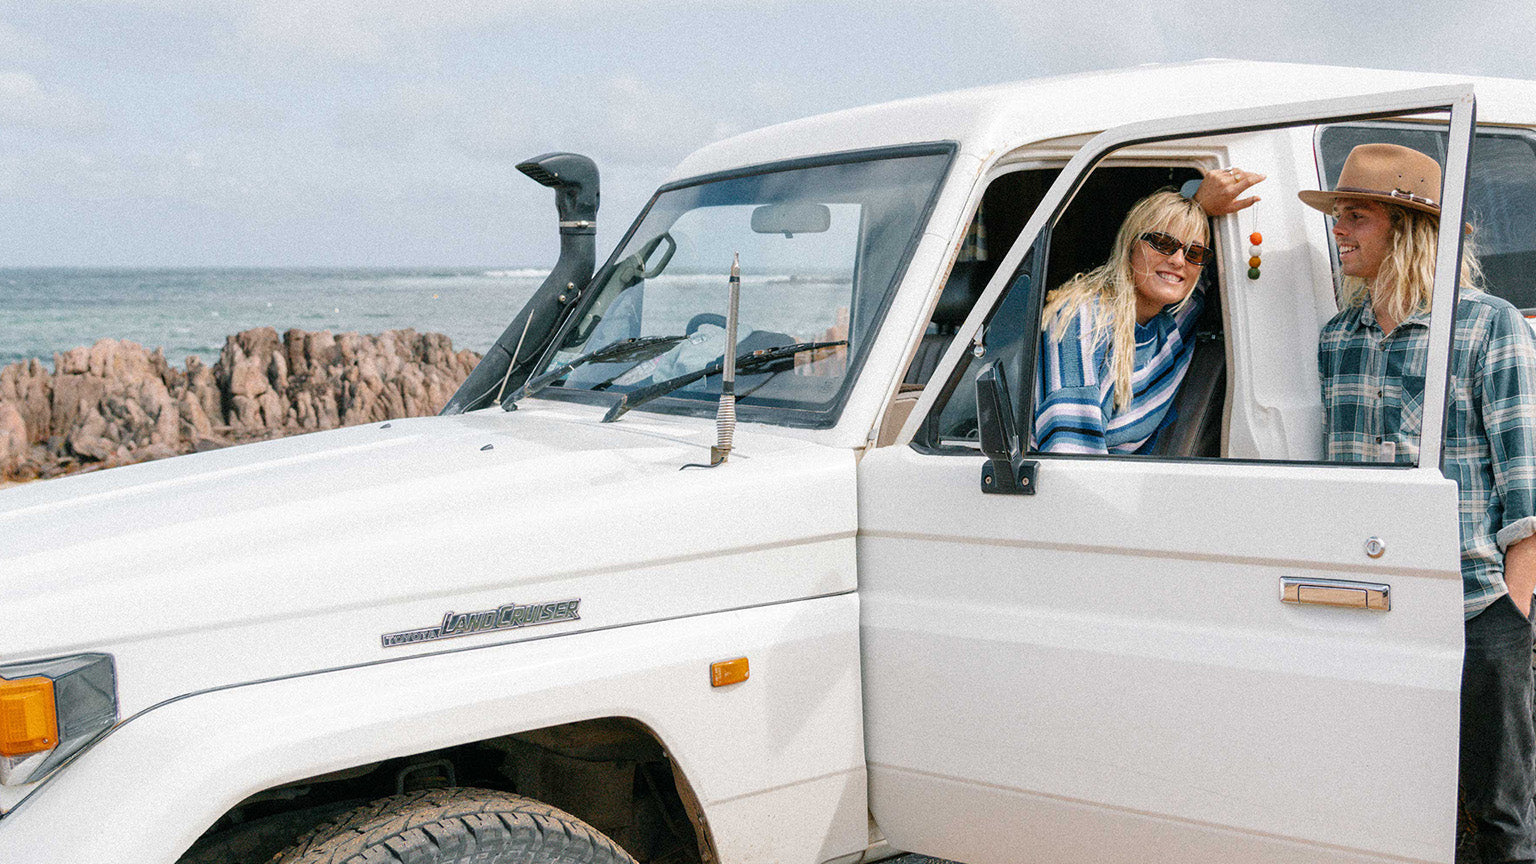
(1501, 193)
(1258, 380)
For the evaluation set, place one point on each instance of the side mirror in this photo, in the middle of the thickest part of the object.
(1006, 471)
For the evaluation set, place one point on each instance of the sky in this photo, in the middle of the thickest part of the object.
(196, 133)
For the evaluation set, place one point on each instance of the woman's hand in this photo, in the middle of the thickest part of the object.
(1218, 192)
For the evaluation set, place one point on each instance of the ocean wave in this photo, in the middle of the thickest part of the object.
(517, 273)
(753, 279)
(206, 353)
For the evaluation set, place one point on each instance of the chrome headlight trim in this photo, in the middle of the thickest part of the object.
(85, 700)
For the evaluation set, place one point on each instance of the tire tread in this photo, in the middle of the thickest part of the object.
(444, 825)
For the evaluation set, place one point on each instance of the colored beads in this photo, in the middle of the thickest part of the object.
(1254, 261)
(1256, 238)
(1253, 272)
(1255, 253)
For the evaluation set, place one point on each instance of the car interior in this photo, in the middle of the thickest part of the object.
(1078, 241)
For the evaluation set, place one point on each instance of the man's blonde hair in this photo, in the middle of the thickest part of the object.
(1109, 290)
(1408, 271)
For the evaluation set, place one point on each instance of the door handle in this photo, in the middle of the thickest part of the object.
(1336, 592)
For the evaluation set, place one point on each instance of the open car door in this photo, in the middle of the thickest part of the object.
(1108, 670)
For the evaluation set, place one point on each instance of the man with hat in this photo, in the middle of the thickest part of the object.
(1372, 357)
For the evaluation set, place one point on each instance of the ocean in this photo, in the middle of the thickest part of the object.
(188, 312)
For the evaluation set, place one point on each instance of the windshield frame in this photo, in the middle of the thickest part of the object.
(775, 415)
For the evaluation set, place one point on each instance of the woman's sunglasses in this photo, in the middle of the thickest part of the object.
(1167, 244)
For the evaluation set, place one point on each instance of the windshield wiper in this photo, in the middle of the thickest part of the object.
(638, 349)
(746, 362)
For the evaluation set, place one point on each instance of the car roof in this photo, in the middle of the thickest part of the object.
(1003, 116)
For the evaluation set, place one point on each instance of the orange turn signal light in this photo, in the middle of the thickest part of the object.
(29, 723)
(728, 672)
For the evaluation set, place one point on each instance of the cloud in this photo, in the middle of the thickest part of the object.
(26, 104)
(347, 30)
(334, 30)
(343, 30)
(1476, 37)
(390, 128)
(17, 45)
(622, 118)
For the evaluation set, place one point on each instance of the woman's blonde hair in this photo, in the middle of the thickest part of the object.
(1109, 290)
(1409, 268)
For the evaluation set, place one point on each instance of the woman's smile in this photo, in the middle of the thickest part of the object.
(1160, 280)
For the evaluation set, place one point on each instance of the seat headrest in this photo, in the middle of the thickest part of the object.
(964, 287)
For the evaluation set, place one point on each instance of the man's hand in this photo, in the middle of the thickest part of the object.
(1218, 192)
(1520, 573)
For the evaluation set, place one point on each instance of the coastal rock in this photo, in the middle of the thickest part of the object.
(28, 388)
(13, 437)
(116, 402)
(195, 424)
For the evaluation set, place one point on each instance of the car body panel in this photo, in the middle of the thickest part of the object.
(1116, 640)
(782, 748)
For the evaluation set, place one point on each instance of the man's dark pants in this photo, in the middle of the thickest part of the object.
(1497, 739)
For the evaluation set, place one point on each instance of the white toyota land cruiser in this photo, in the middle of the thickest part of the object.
(416, 640)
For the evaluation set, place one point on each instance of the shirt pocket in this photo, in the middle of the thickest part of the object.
(1410, 421)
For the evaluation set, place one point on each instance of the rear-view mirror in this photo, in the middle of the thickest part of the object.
(791, 219)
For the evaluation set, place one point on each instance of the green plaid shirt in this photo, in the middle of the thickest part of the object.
(1373, 405)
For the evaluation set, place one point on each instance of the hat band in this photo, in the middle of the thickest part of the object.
(1395, 193)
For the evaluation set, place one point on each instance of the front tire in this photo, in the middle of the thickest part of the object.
(455, 826)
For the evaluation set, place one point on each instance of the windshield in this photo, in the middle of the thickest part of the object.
(821, 249)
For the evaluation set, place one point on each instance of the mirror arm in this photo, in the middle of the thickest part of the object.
(1006, 472)
(1015, 476)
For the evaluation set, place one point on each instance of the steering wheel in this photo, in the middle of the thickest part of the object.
(703, 318)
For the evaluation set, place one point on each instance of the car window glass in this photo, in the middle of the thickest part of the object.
(1501, 193)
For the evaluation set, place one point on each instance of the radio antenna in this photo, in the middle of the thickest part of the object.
(725, 414)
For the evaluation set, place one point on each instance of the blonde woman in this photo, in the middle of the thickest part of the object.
(1117, 340)
(1372, 357)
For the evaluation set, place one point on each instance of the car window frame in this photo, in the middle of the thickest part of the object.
(1457, 100)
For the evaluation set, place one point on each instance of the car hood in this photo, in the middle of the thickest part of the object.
(301, 554)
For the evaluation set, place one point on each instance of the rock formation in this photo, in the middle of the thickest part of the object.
(114, 402)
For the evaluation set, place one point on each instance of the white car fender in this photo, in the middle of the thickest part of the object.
(783, 748)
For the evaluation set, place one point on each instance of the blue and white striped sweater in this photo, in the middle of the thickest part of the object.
(1075, 393)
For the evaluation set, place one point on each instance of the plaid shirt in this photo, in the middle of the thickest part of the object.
(1373, 404)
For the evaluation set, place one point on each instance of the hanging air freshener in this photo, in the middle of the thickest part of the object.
(1256, 251)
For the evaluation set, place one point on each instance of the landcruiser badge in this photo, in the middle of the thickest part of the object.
(508, 617)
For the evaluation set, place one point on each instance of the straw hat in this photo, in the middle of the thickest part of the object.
(1384, 172)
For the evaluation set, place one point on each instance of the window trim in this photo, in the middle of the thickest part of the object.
(1040, 263)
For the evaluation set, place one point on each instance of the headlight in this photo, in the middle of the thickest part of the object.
(50, 709)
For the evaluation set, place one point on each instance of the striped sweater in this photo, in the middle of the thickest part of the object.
(1075, 392)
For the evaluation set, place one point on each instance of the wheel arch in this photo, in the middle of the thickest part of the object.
(614, 773)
